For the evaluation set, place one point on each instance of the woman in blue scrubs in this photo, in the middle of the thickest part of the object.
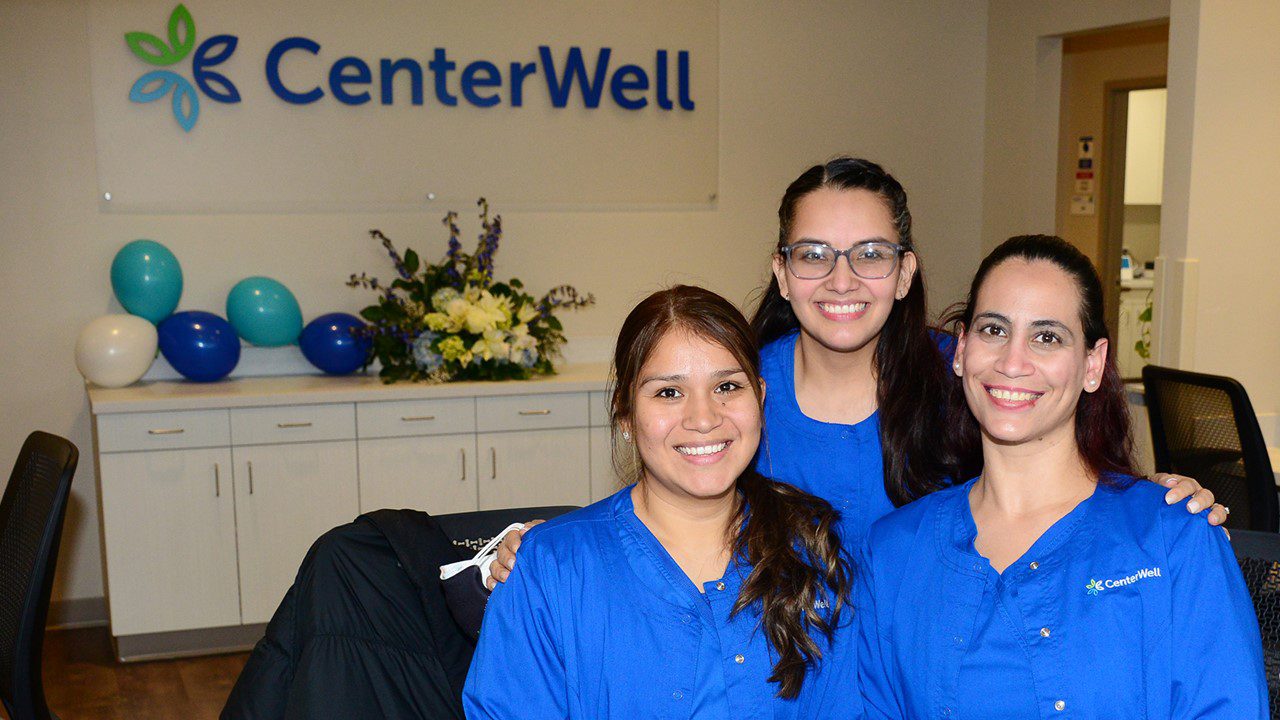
(704, 589)
(1053, 584)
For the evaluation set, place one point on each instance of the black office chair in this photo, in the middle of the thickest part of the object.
(1259, 556)
(31, 515)
(1204, 426)
(470, 531)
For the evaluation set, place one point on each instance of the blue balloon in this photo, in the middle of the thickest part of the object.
(200, 345)
(147, 279)
(264, 312)
(330, 343)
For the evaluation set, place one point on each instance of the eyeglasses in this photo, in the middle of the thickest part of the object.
(870, 260)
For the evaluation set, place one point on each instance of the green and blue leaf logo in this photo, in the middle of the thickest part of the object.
(1094, 587)
(180, 40)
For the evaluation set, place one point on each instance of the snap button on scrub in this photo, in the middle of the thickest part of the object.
(719, 586)
(739, 659)
(1035, 565)
(1060, 706)
(677, 695)
(1044, 632)
(958, 640)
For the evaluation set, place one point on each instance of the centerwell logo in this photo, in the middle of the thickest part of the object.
(1097, 586)
(350, 79)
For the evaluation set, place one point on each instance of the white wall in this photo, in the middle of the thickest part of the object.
(900, 82)
(1024, 78)
(1220, 221)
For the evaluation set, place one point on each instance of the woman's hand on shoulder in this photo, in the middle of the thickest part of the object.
(501, 567)
(1182, 487)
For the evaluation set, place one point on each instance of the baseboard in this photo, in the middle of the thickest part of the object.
(77, 613)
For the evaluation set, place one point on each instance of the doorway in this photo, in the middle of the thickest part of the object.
(1133, 178)
(1110, 169)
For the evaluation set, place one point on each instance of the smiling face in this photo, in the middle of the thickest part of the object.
(1024, 359)
(843, 312)
(695, 418)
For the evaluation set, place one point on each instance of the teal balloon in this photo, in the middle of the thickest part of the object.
(147, 279)
(264, 312)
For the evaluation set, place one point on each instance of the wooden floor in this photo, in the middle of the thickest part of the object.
(83, 680)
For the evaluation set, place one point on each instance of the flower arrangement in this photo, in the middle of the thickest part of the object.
(450, 320)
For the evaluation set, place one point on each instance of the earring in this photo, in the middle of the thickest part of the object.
(955, 366)
(626, 436)
(1092, 382)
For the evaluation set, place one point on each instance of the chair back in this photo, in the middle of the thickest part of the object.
(31, 516)
(1203, 426)
(1259, 556)
(470, 531)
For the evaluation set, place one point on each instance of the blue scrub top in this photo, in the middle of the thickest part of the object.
(1125, 608)
(839, 463)
(598, 621)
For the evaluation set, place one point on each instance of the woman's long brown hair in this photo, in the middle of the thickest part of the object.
(789, 537)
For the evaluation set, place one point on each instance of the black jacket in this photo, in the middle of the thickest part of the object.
(364, 632)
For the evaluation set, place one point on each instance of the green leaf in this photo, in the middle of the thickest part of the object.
(1145, 315)
(411, 262)
(150, 49)
(553, 323)
(373, 313)
(180, 20)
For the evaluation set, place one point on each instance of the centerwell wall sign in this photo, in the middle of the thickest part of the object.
(322, 105)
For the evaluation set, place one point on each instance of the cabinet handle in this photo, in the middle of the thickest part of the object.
(493, 458)
(217, 481)
(293, 425)
(417, 418)
(463, 452)
(167, 431)
(535, 412)
(250, 463)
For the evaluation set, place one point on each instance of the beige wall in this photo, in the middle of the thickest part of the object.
(1024, 73)
(1089, 62)
(1219, 299)
(901, 82)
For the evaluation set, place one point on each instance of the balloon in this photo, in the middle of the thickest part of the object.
(264, 312)
(115, 350)
(147, 279)
(200, 345)
(329, 343)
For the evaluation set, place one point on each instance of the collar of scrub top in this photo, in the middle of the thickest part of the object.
(957, 532)
(659, 571)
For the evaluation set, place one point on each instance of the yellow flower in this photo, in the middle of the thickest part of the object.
(438, 322)
(526, 313)
(452, 348)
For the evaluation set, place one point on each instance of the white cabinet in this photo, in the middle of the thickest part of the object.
(170, 539)
(436, 473)
(534, 467)
(286, 497)
(211, 494)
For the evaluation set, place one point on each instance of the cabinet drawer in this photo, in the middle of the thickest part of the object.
(163, 430)
(406, 418)
(295, 423)
(531, 412)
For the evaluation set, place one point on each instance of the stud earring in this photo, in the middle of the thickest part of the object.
(626, 436)
(955, 366)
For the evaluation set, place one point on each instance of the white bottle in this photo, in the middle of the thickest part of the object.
(1126, 265)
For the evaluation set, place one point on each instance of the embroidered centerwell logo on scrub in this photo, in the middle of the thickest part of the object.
(1097, 586)
(159, 83)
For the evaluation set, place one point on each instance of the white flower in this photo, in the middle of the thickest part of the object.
(442, 297)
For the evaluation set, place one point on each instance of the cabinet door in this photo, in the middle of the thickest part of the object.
(286, 497)
(433, 473)
(168, 519)
(604, 481)
(534, 467)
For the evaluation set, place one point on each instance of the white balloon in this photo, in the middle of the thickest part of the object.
(116, 350)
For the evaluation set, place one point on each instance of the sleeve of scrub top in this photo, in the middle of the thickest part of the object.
(518, 670)
(879, 700)
(1217, 668)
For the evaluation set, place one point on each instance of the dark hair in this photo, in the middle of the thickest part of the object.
(911, 375)
(789, 537)
(1103, 434)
